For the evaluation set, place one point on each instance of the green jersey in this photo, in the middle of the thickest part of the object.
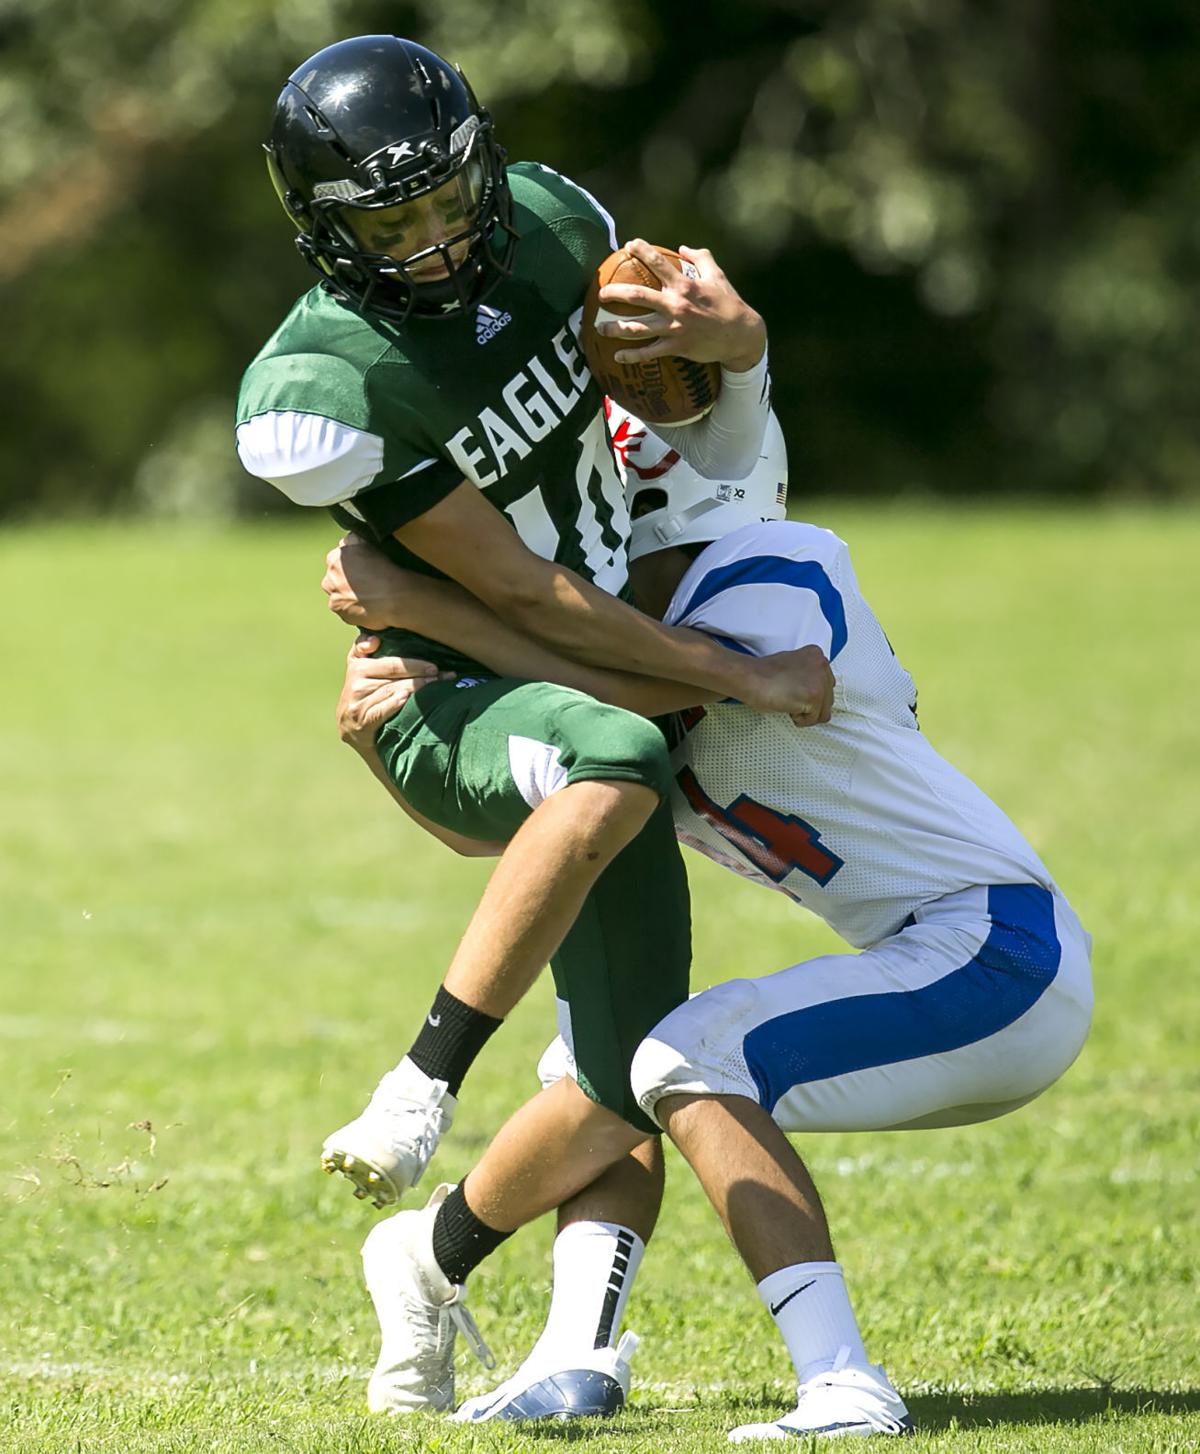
(379, 423)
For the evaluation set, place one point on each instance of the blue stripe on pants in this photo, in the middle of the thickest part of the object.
(1011, 970)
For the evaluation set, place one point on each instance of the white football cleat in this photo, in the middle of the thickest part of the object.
(420, 1311)
(593, 1385)
(846, 1401)
(386, 1149)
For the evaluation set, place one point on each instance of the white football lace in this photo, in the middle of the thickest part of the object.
(466, 1325)
(424, 1137)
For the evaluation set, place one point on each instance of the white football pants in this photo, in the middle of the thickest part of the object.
(973, 1008)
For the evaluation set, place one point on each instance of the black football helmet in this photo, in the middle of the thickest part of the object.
(373, 122)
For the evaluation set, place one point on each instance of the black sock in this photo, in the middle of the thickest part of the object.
(460, 1240)
(451, 1037)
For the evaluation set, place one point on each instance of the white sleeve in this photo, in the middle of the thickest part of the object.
(768, 598)
(312, 459)
(726, 443)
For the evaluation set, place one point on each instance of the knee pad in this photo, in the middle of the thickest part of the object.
(609, 742)
(647, 750)
(697, 1049)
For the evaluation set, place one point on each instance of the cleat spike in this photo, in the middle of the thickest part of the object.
(372, 1176)
(347, 1163)
(359, 1193)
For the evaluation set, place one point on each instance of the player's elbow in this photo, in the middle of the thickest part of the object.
(521, 596)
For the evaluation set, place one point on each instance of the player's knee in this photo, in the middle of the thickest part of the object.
(656, 1065)
(663, 1068)
(620, 746)
(697, 1049)
(640, 754)
(648, 754)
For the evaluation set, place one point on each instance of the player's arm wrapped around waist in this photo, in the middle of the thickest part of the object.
(478, 635)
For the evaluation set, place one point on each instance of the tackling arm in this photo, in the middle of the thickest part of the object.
(464, 536)
(445, 611)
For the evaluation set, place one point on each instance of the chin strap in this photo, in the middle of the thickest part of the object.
(674, 525)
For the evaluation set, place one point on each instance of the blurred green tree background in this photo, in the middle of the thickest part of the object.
(972, 224)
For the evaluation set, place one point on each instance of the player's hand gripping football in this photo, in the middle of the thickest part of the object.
(701, 318)
(799, 683)
(375, 689)
(363, 586)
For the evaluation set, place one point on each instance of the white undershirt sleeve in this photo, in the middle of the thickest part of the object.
(727, 442)
(312, 459)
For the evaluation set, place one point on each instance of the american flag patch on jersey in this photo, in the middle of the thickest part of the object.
(781, 493)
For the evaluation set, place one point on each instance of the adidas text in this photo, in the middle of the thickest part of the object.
(489, 322)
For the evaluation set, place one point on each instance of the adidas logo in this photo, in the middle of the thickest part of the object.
(489, 322)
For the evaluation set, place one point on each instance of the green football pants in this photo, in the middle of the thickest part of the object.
(477, 756)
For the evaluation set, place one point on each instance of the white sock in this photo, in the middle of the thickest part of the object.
(812, 1310)
(594, 1267)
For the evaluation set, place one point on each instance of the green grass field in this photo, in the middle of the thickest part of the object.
(217, 933)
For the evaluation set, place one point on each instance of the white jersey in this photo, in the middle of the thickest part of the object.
(858, 819)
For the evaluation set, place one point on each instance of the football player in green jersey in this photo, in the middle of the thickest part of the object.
(430, 391)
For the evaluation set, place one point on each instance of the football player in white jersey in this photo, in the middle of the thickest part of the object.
(971, 993)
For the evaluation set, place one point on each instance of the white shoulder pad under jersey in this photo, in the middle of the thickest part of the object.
(858, 819)
(769, 586)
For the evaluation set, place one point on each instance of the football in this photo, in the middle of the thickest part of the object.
(661, 390)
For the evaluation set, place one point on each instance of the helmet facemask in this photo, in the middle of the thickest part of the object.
(363, 238)
(451, 210)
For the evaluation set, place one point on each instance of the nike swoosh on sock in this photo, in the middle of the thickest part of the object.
(783, 1302)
